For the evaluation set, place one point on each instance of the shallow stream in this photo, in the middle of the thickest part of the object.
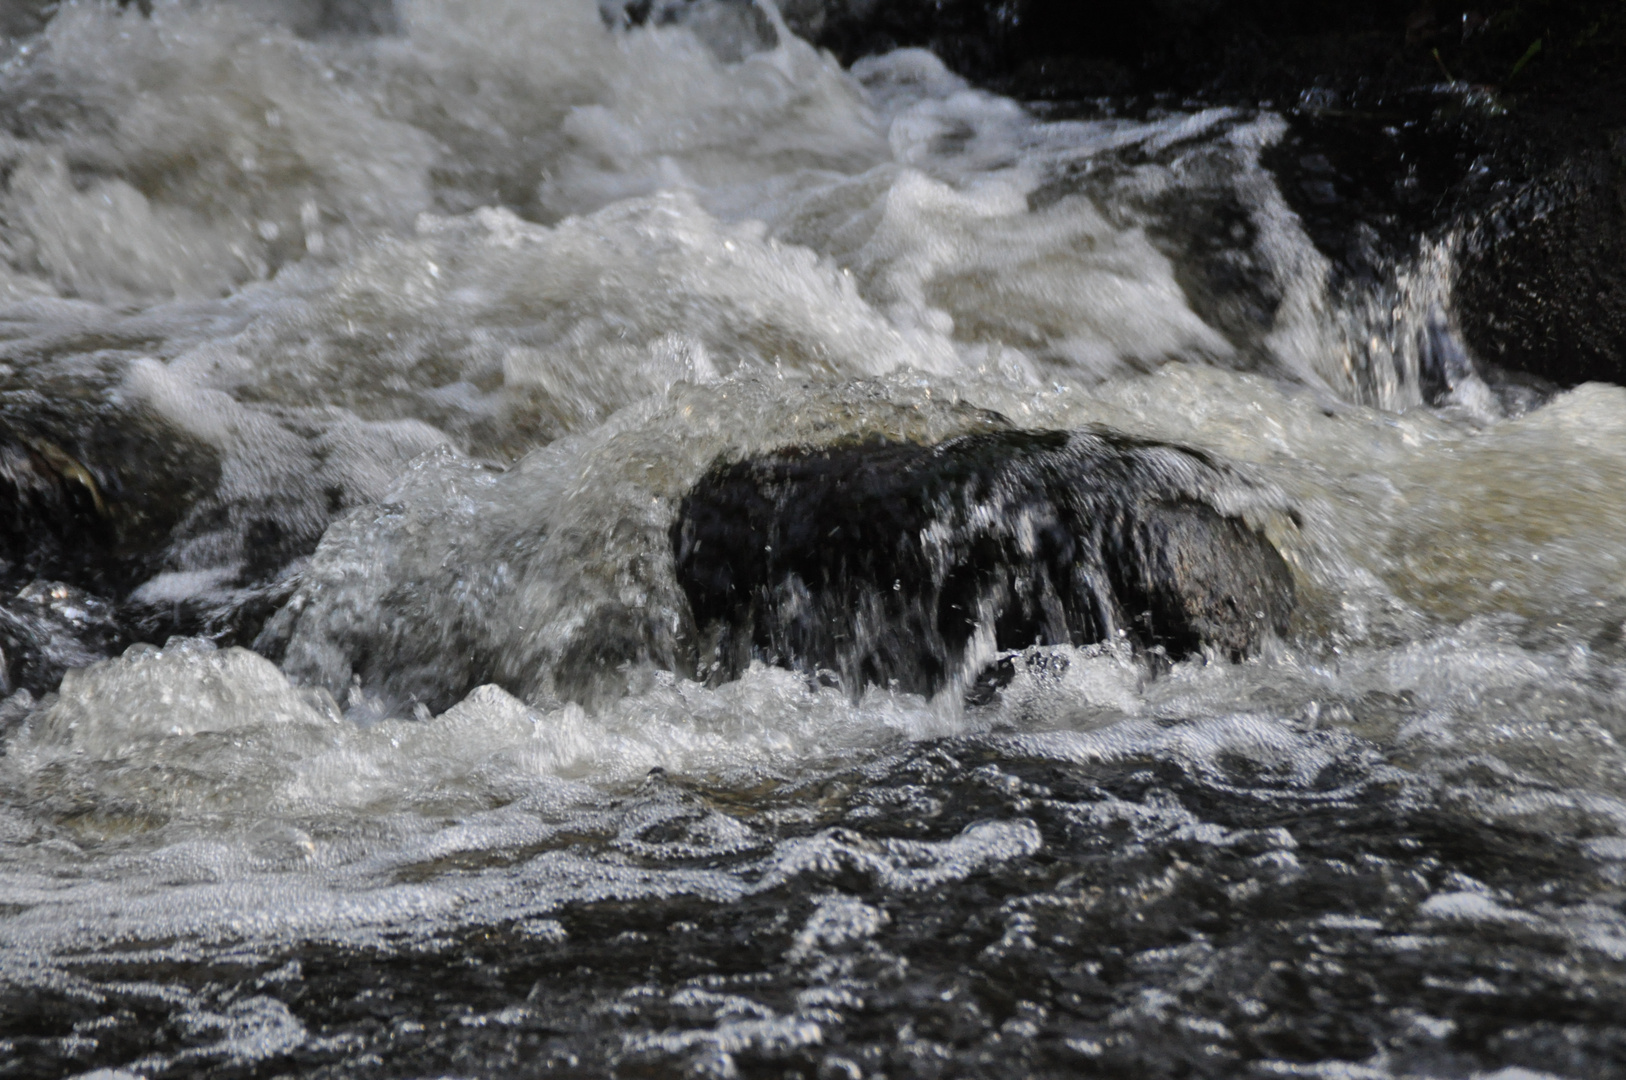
(414, 341)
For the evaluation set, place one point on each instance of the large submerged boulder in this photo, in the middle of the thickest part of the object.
(915, 566)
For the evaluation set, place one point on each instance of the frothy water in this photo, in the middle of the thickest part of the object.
(407, 346)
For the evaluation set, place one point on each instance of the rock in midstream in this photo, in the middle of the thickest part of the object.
(892, 564)
(56, 520)
(1496, 127)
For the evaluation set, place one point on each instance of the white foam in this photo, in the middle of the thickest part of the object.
(106, 711)
(212, 132)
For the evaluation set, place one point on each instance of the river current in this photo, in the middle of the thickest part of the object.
(421, 334)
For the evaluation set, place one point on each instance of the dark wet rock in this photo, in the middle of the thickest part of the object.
(103, 489)
(98, 497)
(54, 517)
(1242, 49)
(1500, 125)
(1529, 192)
(1542, 285)
(109, 483)
(885, 563)
(49, 627)
(102, 498)
(1367, 181)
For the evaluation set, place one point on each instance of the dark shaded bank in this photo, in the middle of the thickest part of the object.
(1277, 49)
(1504, 124)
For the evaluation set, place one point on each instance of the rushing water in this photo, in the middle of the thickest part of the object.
(473, 302)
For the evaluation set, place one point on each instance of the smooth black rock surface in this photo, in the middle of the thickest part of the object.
(882, 562)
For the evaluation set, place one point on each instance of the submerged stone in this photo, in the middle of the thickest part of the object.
(48, 628)
(913, 566)
(53, 519)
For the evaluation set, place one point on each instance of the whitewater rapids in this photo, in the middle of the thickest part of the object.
(457, 313)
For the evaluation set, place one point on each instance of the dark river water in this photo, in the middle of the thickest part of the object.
(387, 745)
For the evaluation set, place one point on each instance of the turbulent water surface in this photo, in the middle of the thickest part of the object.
(405, 342)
